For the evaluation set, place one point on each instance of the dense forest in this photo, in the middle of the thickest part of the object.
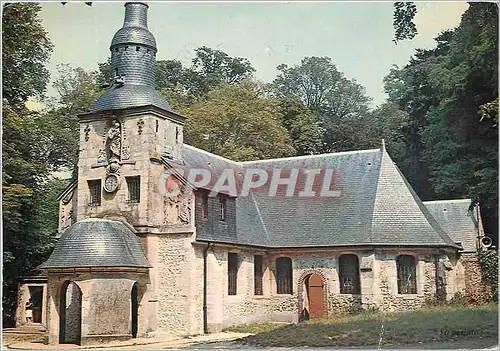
(439, 120)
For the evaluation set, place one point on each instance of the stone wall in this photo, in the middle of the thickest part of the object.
(113, 295)
(390, 299)
(245, 307)
(97, 305)
(143, 136)
(476, 289)
(179, 285)
(378, 275)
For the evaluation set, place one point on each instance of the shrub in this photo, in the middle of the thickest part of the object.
(488, 261)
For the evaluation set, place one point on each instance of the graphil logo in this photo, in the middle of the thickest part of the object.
(282, 182)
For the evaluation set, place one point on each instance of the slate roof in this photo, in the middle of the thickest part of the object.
(97, 243)
(376, 206)
(133, 58)
(130, 95)
(250, 229)
(455, 218)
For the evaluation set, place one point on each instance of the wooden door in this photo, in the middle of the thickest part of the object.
(316, 297)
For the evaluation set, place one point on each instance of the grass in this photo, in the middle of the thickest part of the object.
(438, 326)
(254, 328)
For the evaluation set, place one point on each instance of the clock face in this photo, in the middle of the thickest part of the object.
(111, 183)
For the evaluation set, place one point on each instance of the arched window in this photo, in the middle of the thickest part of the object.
(407, 274)
(349, 274)
(284, 275)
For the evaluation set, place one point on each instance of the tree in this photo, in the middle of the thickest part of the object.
(78, 89)
(467, 80)
(301, 125)
(212, 67)
(404, 27)
(237, 122)
(169, 73)
(26, 50)
(310, 82)
(346, 111)
(413, 91)
(30, 152)
(337, 102)
(450, 93)
(390, 123)
(209, 69)
(33, 145)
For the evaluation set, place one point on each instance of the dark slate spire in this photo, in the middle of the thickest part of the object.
(133, 59)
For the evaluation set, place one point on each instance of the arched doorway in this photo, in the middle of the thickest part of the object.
(315, 294)
(70, 314)
(135, 309)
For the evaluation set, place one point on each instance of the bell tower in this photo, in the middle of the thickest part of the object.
(128, 133)
(127, 233)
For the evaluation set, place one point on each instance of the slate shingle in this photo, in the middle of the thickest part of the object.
(455, 218)
(399, 216)
(377, 206)
(97, 242)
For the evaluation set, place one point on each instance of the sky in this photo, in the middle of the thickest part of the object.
(357, 36)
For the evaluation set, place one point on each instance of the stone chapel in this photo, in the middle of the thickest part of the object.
(132, 262)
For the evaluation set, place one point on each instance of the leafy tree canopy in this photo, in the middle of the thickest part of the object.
(25, 51)
(404, 27)
(238, 122)
(451, 96)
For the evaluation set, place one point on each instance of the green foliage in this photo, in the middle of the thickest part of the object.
(488, 261)
(25, 51)
(77, 90)
(309, 82)
(30, 152)
(387, 122)
(404, 28)
(169, 73)
(453, 153)
(186, 85)
(337, 102)
(238, 122)
(213, 67)
(33, 146)
(301, 125)
(209, 69)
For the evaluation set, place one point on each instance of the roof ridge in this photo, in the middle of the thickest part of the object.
(211, 154)
(446, 201)
(310, 156)
(372, 212)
